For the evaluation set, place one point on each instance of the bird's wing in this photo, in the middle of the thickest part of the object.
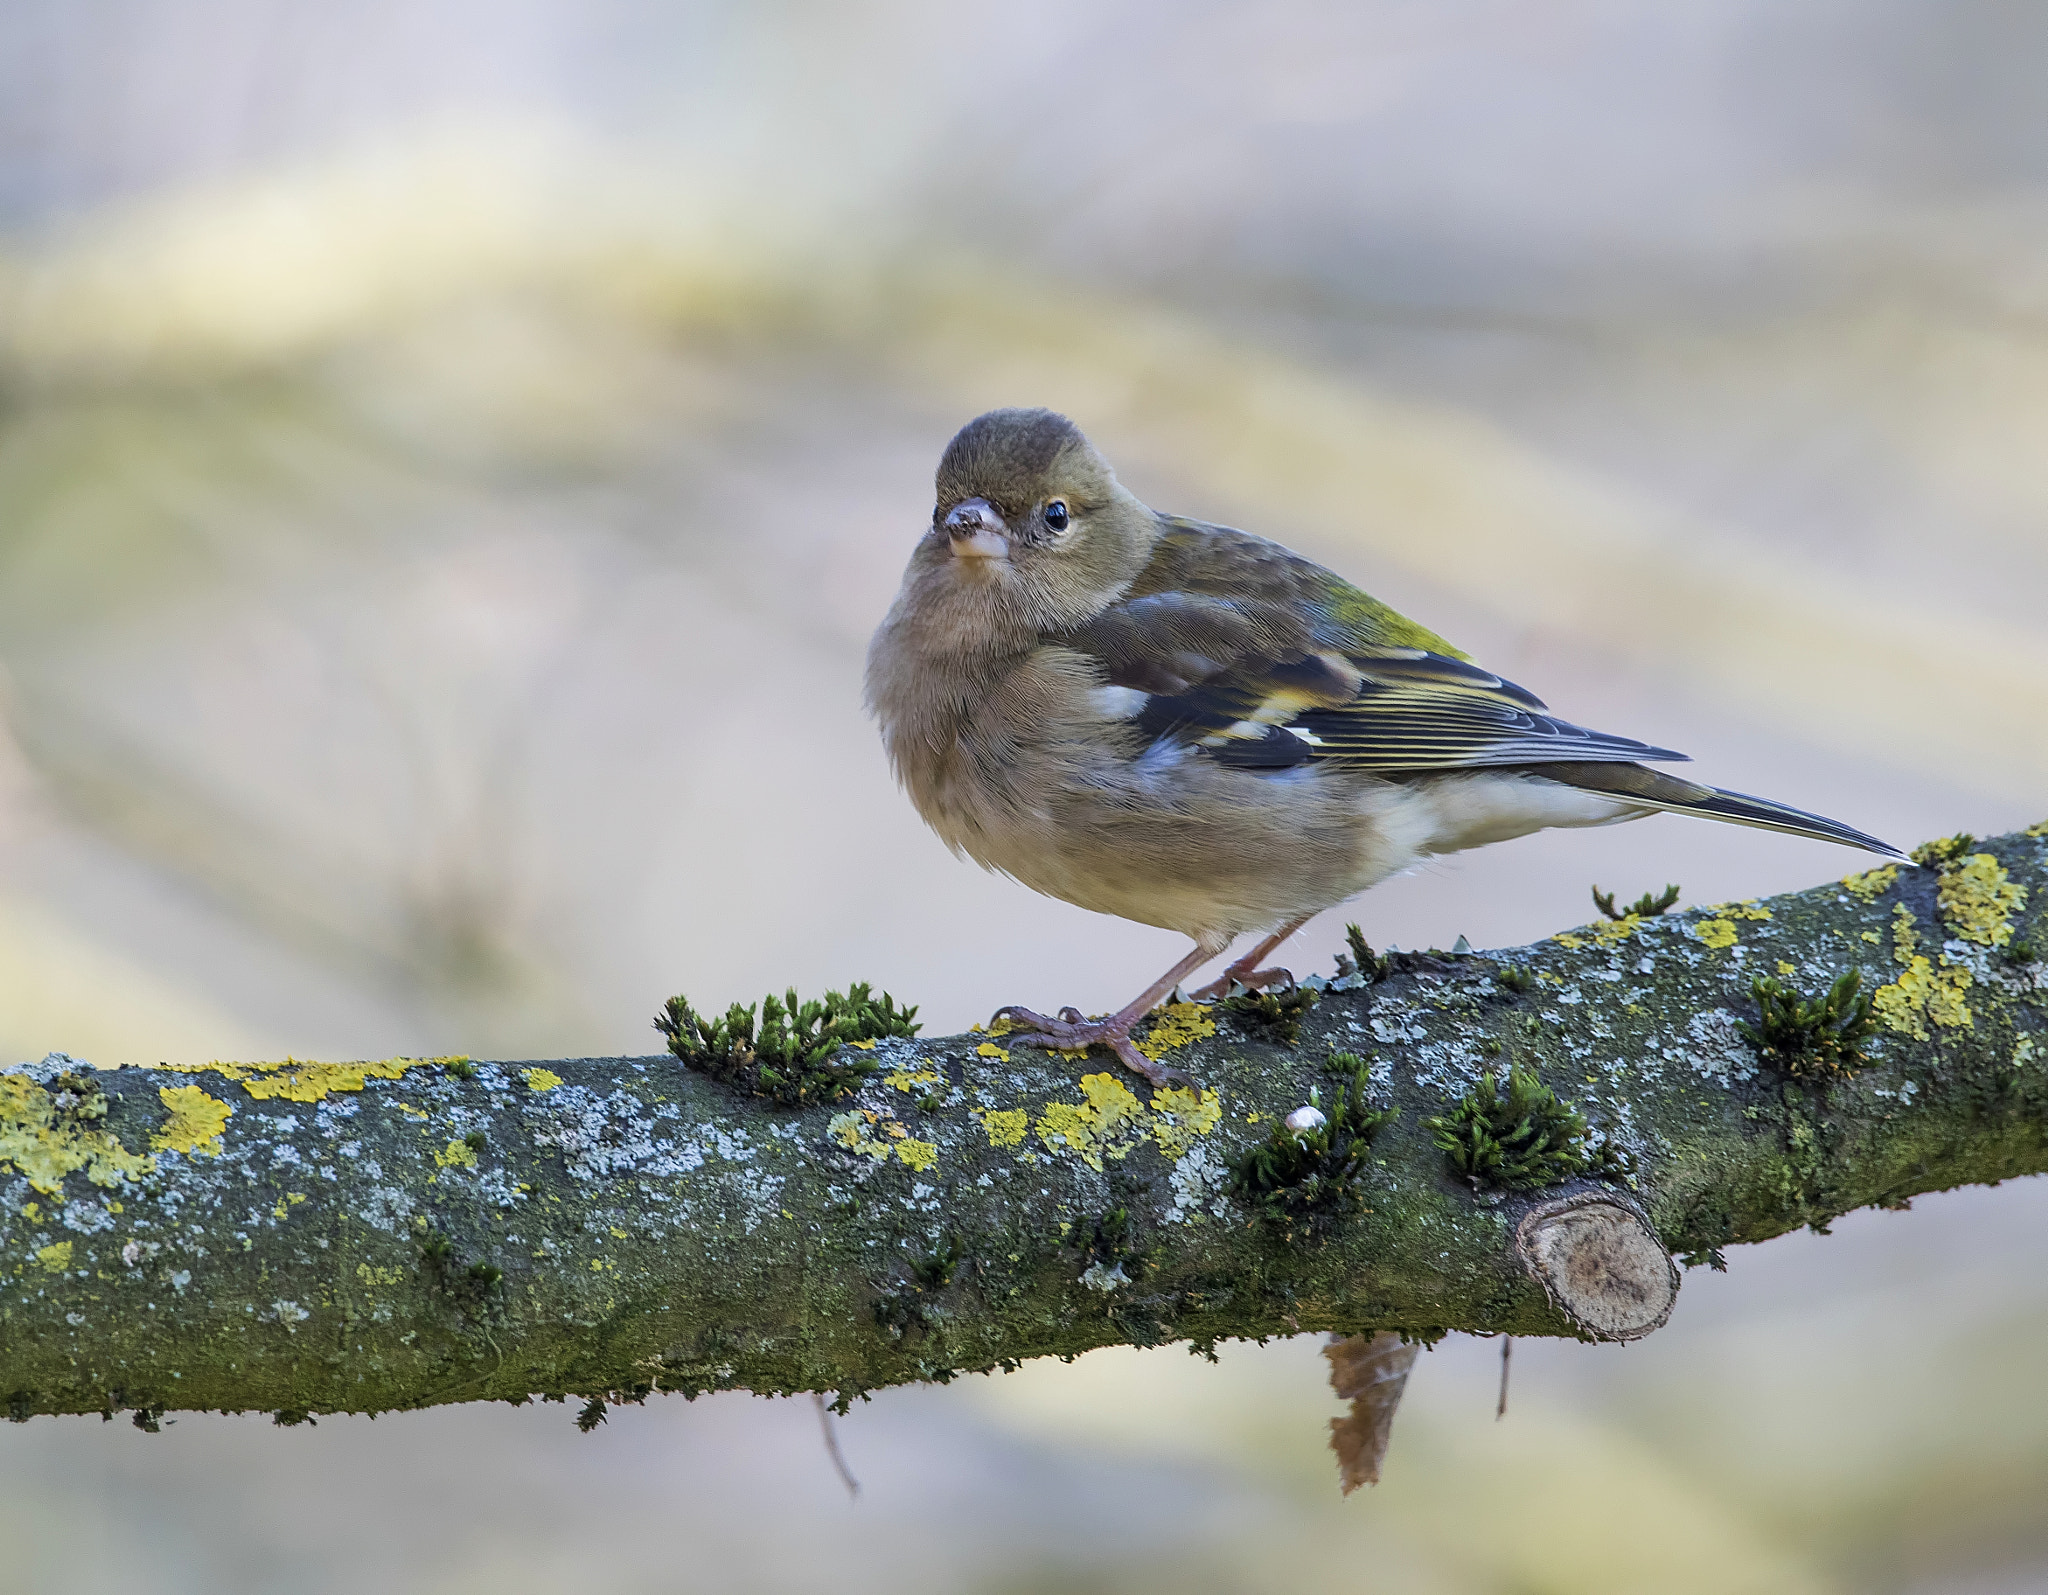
(1268, 661)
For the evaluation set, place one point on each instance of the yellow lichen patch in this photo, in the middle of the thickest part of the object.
(540, 1079)
(55, 1258)
(1785, 968)
(1112, 1120)
(456, 1155)
(1746, 909)
(1872, 884)
(1176, 1025)
(864, 1046)
(915, 1154)
(196, 1121)
(379, 1276)
(988, 1049)
(1921, 994)
(301, 1080)
(1115, 1103)
(1603, 934)
(2038, 830)
(922, 1080)
(44, 1142)
(1179, 1115)
(1924, 992)
(1005, 1126)
(850, 1130)
(1001, 1025)
(1978, 899)
(1715, 933)
(1905, 939)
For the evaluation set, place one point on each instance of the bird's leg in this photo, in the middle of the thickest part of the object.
(1073, 1030)
(1246, 972)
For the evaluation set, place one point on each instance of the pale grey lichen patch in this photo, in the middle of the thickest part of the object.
(87, 1217)
(385, 1207)
(1097, 1277)
(1197, 1180)
(606, 1136)
(496, 1186)
(331, 1114)
(1393, 1034)
(1451, 1066)
(1718, 1051)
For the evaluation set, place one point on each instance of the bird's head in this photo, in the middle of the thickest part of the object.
(1031, 531)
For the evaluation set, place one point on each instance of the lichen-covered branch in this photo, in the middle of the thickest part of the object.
(310, 1237)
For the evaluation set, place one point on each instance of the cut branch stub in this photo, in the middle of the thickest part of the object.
(1601, 1264)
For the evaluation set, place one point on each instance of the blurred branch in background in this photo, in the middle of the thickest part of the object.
(352, 515)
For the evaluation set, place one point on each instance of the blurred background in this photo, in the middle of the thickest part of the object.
(452, 456)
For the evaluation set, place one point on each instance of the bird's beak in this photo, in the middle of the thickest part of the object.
(977, 530)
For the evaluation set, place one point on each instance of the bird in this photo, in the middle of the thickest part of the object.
(1191, 726)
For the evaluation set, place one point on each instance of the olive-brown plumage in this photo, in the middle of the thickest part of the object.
(1196, 728)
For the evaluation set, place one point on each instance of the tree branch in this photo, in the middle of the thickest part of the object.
(306, 1238)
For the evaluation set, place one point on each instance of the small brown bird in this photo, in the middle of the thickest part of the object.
(1196, 728)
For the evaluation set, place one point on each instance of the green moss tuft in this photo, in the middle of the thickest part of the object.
(1520, 1138)
(1362, 962)
(793, 1053)
(1281, 1014)
(934, 1270)
(1648, 906)
(1107, 1240)
(592, 1415)
(1514, 978)
(1312, 1176)
(1811, 1038)
(1943, 850)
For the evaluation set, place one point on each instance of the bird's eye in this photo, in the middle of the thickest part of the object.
(1056, 516)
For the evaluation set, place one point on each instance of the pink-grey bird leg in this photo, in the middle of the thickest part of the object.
(1246, 972)
(1075, 1030)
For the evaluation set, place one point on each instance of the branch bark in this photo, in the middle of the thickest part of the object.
(305, 1238)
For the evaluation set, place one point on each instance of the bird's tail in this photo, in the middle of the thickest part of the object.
(1653, 789)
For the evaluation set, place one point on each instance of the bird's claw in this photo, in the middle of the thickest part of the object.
(1248, 980)
(1074, 1032)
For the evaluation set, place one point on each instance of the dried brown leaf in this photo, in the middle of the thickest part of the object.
(1369, 1371)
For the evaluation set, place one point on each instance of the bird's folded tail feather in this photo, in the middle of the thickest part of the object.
(1656, 790)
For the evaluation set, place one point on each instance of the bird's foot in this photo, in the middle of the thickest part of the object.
(1073, 1031)
(1244, 979)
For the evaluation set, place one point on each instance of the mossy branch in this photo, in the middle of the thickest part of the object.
(305, 1238)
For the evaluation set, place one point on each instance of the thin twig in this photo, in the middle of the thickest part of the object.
(1507, 1350)
(831, 1433)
